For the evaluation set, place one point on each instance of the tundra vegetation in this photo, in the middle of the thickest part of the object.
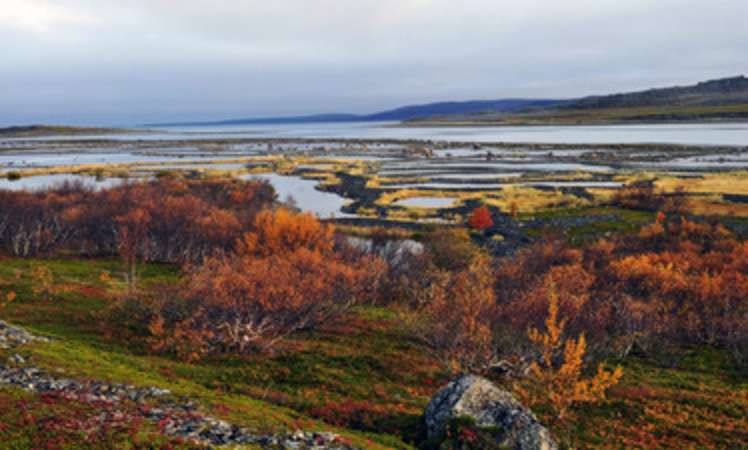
(274, 320)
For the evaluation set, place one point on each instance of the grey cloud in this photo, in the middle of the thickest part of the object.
(105, 61)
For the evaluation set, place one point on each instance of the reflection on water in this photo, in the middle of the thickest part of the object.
(355, 157)
(46, 181)
(732, 161)
(72, 158)
(476, 176)
(324, 204)
(468, 165)
(582, 184)
(452, 186)
(459, 153)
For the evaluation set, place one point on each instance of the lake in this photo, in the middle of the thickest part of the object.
(304, 194)
(733, 134)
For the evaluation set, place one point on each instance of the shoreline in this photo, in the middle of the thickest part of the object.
(485, 124)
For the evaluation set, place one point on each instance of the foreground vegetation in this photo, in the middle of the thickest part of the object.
(323, 336)
(361, 375)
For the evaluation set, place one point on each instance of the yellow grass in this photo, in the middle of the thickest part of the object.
(710, 183)
(389, 198)
(530, 200)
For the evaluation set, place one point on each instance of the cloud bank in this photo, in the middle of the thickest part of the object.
(117, 62)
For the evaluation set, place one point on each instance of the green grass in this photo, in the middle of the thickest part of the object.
(688, 398)
(628, 221)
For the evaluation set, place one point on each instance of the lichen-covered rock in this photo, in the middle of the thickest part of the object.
(479, 399)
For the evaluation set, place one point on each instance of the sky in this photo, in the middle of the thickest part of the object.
(128, 62)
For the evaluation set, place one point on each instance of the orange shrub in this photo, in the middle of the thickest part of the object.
(187, 220)
(556, 376)
(677, 281)
(282, 231)
(277, 284)
(454, 315)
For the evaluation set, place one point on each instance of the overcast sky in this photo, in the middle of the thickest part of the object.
(133, 61)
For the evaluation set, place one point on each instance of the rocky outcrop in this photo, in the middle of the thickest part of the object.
(177, 417)
(11, 336)
(479, 399)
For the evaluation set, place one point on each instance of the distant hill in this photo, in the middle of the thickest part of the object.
(57, 130)
(724, 99)
(725, 91)
(317, 118)
(466, 107)
(429, 110)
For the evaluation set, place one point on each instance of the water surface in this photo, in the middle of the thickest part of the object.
(304, 193)
(733, 134)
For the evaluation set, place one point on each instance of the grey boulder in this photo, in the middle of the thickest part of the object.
(477, 398)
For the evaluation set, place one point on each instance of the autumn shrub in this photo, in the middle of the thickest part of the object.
(285, 276)
(556, 375)
(480, 218)
(281, 231)
(639, 195)
(695, 279)
(187, 220)
(455, 315)
(133, 241)
(643, 195)
(407, 275)
(32, 225)
(522, 283)
(450, 303)
(676, 282)
(451, 248)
